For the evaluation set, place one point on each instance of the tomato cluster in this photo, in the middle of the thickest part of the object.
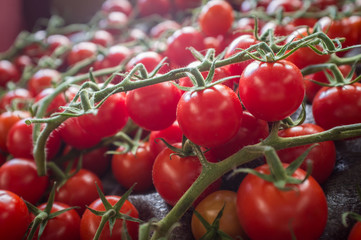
(172, 98)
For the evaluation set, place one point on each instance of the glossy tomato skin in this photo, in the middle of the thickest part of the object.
(14, 216)
(266, 212)
(153, 107)
(251, 131)
(178, 172)
(149, 59)
(81, 51)
(209, 208)
(178, 44)
(79, 190)
(271, 91)
(209, 117)
(216, 18)
(44, 78)
(111, 117)
(90, 222)
(63, 226)
(20, 176)
(129, 169)
(21, 95)
(322, 157)
(8, 73)
(355, 233)
(337, 106)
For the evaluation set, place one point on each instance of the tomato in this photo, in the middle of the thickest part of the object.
(123, 6)
(179, 42)
(76, 136)
(129, 169)
(63, 226)
(111, 117)
(251, 131)
(322, 157)
(103, 38)
(14, 216)
(216, 18)
(15, 99)
(23, 61)
(8, 73)
(55, 41)
(149, 59)
(90, 222)
(150, 7)
(335, 106)
(209, 208)
(20, 177)
(241, 42)
(286, 5)
(7, 120)
(44, 78)
(167, 25)
(170, 169)
(20, 144)
(271, 91)
(81, 51)
(355, 233)
(79, 190)
(171, 134)
(54, 106)
(153, 107)
(265, 212)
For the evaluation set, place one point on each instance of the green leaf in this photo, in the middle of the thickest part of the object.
(204, 222)
(105, 202)
(122, 200)
(298, 162)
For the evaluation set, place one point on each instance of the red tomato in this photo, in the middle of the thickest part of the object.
(90, 222)
(149, 59)
(286, 5)
(265, 212)
(114, 22)
(216, 18)
(167, 25)
(355, 233)
(123, 6)
(219, 104)
(63, 226)
(55, 41)
(111, 117)
(251, 131)
(79, 190)
(178, 44)
(171, 134)
(55, 104)
(7, 120)
(44, 78)
(241, 42)
(102, 38)
(81, 51)
(153, 107)
(20, 177)
(20, 144)
(322, 157)
(129, 169)
(170, 169)
(15, 99)
(271, 91)
(8, 73)
(209, 208)
(185, 4)
(14, 216)
(337, 106)
(149, 7)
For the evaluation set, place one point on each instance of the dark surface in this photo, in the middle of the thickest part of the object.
(340, 190)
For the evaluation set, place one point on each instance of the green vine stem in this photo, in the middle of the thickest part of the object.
(214, 171)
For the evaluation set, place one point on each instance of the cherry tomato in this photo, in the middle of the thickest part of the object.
(149, 59)
(79, 190)
(44, 78)
(54, 106)
(209, 208)
(8, 73)
(90, 222)
(322, 157)
(81, 51)
(123, 6)
(219, 104)
(111, 117)
(7, 120)
(271, 91)
(251, 131)
(15, 99)
(178, 44)
(265, 212)
(355, 233)
(162, 27)
(170, 169)
(149, 7)
(102, 38)
(216, 18)
(14, 216)
(63, 226)
(129, 169)
(335, 106)
(55, 41)
(153, 107)
(20, 177)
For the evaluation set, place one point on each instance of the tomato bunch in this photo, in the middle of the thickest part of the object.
(176, 99)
